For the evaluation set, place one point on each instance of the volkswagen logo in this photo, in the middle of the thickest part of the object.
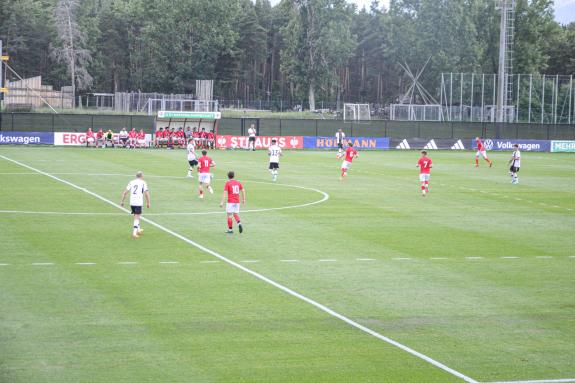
(488, 144)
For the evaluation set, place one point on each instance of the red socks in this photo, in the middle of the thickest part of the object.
(230, 223)
(236, 217)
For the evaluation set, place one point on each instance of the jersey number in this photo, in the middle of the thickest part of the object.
(425, 164)
(235, 189)
(136, 189)
(206, 164)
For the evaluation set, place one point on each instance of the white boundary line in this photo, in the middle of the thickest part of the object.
(542, 381)
(265, 279)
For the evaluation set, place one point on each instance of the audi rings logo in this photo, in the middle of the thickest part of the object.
(488, 144)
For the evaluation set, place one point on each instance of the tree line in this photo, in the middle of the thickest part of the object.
(296, 49)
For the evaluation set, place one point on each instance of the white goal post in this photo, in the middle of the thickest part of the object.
(356, 112)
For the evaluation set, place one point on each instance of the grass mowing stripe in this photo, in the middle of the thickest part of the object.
(264, 279)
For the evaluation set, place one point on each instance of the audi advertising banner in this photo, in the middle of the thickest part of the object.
(26, 138)
(524, 145)
(362, 143)
(262, 142)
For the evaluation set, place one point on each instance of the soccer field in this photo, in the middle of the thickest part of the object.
(356, 281)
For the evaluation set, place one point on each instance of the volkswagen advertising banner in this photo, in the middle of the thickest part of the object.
(524, 145)
(563, 146)
(26, 138)
(262, 142)
(362, 143)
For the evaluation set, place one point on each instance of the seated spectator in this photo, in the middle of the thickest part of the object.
(211, 140)
(197, 137)
(90, 139)
(159, 138)
(109, 136)
(100, 140)
(181, 136)
(188, 133)
(172, 139)
(133, 138)
(123, 137)
(141, 139)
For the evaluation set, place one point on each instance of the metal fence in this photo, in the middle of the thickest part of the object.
(290, 127)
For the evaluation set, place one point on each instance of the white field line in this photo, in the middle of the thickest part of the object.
(295, 260)
(365, 259)
(438, 258)
(265, 279)
(509, 257)
(42, 264)
(85, 263)
(327, 260)
(168, 262)
(4, 264)
(540, 381)
(127, 263)
(54, 213)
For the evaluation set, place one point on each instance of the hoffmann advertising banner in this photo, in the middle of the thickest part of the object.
(262, 142)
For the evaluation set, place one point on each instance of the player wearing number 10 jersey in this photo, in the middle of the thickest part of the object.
(424, 165)
(232, 189)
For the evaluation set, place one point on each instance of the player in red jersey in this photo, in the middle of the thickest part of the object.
(133, 135)
(204, 175)
(481, 150)
(350, 153)
(141, 139)
(211, 140)
(100, 139)
(90, 137)
(232, 189)
(424, 164)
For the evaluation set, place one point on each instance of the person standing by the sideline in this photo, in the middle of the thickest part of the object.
(252, 133)
(138, 189)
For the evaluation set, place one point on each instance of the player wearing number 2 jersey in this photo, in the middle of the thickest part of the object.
(138, 189)
(424, 165)
(232, 189)
(204, 175)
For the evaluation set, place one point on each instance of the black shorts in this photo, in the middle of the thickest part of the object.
(340, 145)
(274, 165)
(514, 169)
(136, 209)
(193, 163)
(252, 139)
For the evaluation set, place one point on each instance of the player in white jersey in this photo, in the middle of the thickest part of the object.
(252, 133)
(339, 138)
(515, 163)
(138, 189)
(274, 152)
(192, 157)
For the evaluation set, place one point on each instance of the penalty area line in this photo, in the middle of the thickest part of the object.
(265, 279)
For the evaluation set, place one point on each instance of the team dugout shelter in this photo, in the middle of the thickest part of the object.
(210, 121)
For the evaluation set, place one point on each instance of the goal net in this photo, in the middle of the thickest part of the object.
(356, 112)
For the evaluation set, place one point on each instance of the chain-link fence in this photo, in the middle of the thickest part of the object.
(293, 127)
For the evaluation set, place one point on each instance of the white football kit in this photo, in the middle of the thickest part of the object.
(137, 188)
(191, 149)
(274, 152)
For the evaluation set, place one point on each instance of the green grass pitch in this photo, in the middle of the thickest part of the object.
(479, 275)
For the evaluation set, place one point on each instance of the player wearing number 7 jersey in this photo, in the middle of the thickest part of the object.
(424, 165)
(232, 189)
(205, 163)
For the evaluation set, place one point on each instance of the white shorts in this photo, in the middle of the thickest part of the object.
(482, 152)
(90, 140)
(142, 142)
(205, 178)
(232, 208)
(345, 165)
(423, 177)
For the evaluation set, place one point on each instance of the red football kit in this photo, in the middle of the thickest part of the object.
(89, 133)
(133, 134)
(100, 134)
(424, 164)
(350, 154)
(233, 188)
(204, 164)
(480, 145)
